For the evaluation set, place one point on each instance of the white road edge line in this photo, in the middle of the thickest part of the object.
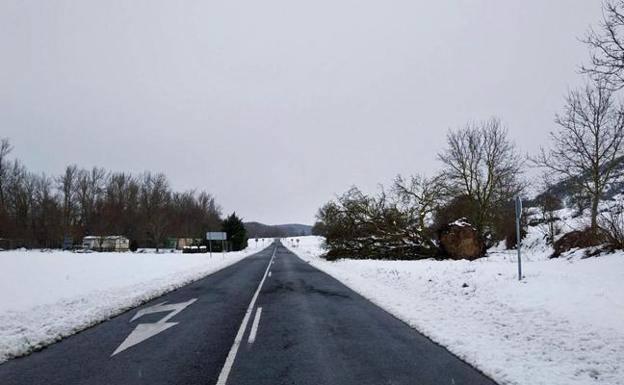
(229, 361)
(254, 326)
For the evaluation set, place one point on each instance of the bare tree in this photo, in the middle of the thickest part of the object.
(18, 200)
(482, 165)
(607, 46)
(612, 223)
(155, 198)
(5, 150)
(89, 191)
(587, 148)
(46, 213)
(66, 185)
(418, 196)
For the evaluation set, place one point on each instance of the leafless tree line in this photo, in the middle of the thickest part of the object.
(37, 210)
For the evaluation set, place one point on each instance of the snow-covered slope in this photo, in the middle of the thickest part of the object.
(45, 296)
(562, 325)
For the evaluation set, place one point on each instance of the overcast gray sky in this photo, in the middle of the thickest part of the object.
(274, 106)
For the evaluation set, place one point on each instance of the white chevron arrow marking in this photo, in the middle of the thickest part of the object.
(144, 331)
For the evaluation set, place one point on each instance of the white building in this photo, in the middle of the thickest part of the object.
(106, 243)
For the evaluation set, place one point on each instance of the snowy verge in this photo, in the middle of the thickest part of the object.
(562, 325)
(45, 296)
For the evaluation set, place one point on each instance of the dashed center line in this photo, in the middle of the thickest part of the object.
(254, 325)
(229, 361)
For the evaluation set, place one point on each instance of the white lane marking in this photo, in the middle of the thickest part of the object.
(229, 361)
(254, 326)
(270, 274)
(145, 331)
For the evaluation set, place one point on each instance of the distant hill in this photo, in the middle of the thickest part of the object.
(260, 230)
(564, 190)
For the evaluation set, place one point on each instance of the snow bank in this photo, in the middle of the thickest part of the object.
(563, 324)
(45, 296)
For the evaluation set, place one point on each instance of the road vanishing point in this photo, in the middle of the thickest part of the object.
(269, 319)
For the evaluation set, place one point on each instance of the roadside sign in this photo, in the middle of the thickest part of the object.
(216, 236)
(518, 207)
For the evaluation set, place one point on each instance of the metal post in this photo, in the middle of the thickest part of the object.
(210, 246)
(518, 243)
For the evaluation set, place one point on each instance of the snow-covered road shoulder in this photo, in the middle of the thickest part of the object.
(563, 324)
(45, 296)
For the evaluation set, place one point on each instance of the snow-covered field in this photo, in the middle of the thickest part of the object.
(562, 325)
(45, 296)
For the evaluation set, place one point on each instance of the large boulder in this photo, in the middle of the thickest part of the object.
(460, 240)
(579, 239)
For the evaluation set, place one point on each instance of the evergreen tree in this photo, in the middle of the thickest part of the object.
(236, 232)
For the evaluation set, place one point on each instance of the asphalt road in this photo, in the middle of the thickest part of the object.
(269, 319)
